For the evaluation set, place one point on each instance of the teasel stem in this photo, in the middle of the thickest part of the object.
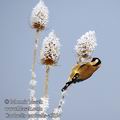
(46, 81)
(33, 80)
(44, 105)
(35, 51)
(56, 114)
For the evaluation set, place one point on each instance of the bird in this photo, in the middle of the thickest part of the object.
(81, 72)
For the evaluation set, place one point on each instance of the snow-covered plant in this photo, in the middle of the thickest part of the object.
(49, 56)
(56, 114)
(44, 105)
(85, 46)
(50, 51)
(32, 90)
(39, 17)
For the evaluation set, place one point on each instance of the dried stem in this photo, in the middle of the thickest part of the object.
(56, 114)
(33, 80)
(35, 52)
(46, 81)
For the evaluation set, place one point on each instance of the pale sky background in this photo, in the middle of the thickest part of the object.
(95, 99)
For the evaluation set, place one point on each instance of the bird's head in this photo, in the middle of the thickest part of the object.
(95, 62)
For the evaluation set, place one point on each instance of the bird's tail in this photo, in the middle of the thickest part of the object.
(66, 86)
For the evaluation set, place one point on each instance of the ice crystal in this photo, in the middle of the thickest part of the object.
(44, 105)
(33, 83)
(39, 17)
(50, 51)
(58, 111)
(86, 45)
(32, 90)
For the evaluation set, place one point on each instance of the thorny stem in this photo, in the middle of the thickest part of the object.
(46, 81)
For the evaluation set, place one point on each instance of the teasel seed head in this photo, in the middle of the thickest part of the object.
(85, 46)
(50, 51)
(39, 17)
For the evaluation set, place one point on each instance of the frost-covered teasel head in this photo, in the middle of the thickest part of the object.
(39, 17)
(50, 51)
(86, 45)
